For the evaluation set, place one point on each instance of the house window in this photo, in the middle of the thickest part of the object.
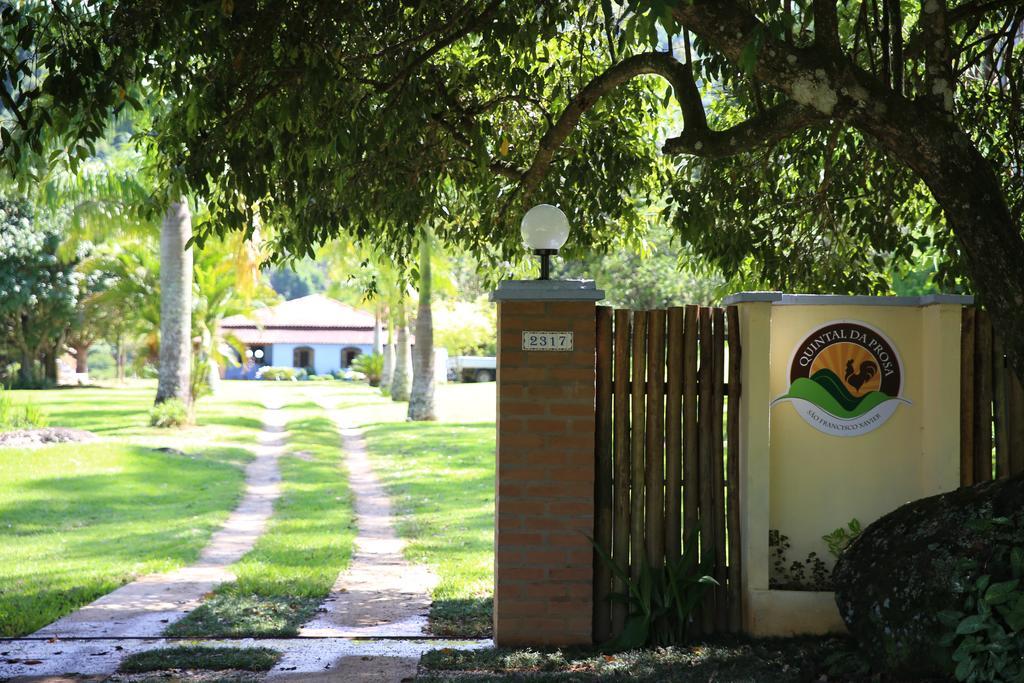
(302, 357)
(348, 354)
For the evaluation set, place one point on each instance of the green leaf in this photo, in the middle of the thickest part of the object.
(999, 593)
(964, 669)
(971, 624)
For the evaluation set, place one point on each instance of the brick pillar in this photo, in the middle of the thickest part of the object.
(544, 501)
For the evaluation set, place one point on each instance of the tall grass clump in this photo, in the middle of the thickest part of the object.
(14, 416)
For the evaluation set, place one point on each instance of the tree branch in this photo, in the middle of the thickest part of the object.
(679, 76)
(762, 130)
(442, 43)
(954, 16)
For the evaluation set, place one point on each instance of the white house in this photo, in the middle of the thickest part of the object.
(314, 332)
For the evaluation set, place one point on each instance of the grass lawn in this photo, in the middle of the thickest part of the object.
(735, 660)
(79, 520)
(440, 477)
(282, 581)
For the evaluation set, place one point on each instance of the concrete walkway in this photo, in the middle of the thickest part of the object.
(148, 605)
(380, 594)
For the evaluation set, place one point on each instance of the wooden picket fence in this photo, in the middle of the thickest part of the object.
(991, 404)
(665, 465)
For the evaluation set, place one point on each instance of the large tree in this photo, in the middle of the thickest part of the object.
(38, 293)
(357, 116)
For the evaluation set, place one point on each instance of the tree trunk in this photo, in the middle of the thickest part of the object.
(378, 343)
(965, 185)
(28, 376)
(122, 358)
(400, 380)
(82, 358)
(421, 399)
(970, 194)
(388, 373)
(175, 304)
(50, 365)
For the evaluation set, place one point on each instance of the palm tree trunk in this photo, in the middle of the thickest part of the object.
(400, 380)
(421, 399)
(175, 304)
(122, 358)
(378, 343)
(387, 375)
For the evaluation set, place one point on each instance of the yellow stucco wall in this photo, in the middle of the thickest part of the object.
(806, 483)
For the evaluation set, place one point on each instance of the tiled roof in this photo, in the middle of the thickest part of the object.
(315, 311)
(292, 335)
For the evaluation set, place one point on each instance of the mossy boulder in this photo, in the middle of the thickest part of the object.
(918, 560)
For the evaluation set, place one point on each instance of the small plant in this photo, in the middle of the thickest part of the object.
(14, 416)
(371, 365)
(987, 632)
(661, 599)
(170, 413)
(841, 538)
(812, 574)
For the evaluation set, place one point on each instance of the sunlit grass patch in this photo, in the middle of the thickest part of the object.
(79, 520)
(293, 566)
(201, 657)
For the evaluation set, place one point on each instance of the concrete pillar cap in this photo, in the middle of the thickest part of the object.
(547, 290)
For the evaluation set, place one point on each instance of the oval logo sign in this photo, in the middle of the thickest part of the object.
(845, 379)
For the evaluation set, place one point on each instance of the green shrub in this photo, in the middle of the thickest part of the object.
(170, 413)
(987, 632)
(320, 378)
(660, 599)
(14, 416)
(371, 365)
(275, 374)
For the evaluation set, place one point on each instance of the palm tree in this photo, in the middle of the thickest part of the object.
(421, 398)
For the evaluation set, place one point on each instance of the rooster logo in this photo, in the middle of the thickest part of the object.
(868, 369)
(845, 378)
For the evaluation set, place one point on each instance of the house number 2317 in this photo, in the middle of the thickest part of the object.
(547, 341)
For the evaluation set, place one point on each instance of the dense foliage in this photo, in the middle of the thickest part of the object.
(807, 144)
(654, 274)
(38, 293)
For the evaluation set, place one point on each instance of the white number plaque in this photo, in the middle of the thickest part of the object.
(547, 341)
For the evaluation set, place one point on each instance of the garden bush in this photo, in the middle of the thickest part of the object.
(13, 416)
(170, 413)
(275, 374)
(371, 365)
